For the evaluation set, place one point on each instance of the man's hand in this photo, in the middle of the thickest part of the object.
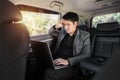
(59, 24)
(61, 61)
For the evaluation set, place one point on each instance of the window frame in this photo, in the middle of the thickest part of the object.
(37, 10)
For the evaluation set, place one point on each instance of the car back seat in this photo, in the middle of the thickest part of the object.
(104, 44)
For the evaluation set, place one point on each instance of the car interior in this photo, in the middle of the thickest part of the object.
(26, 23)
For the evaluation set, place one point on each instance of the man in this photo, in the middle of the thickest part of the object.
(73, 45)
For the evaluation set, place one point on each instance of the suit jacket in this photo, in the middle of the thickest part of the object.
(81, 47)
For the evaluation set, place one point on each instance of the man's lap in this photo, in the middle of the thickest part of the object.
(61, 74)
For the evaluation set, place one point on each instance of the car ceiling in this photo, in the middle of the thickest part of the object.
(83, 7)
(91, 5)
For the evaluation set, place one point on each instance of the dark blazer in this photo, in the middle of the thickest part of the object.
(81, 47)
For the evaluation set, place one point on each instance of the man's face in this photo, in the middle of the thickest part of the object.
(69, 26)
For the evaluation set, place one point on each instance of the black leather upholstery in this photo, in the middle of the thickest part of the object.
(14, 43)
(83, 27)
(107, 26)
(8, 12)
(111, 70)
(104, 44)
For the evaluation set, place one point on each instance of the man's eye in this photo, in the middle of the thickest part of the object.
(63, 24)
(68, 24)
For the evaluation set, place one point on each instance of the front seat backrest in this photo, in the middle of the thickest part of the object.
(14, 43)
(9, 12)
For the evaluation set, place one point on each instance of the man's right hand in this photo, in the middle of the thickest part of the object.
(59, 24)
(61, 61)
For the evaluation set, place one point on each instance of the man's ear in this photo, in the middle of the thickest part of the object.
(76, 23)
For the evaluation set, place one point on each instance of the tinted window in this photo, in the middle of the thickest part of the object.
(114, 17)
(38, 23)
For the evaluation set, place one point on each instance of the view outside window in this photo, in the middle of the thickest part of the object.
(38, 23)
(114, 17)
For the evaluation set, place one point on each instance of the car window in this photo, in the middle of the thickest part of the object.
(38, 23)
(114, 17)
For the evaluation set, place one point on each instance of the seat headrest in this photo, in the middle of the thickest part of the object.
(82, 27)
(107, 26)
(9, 12)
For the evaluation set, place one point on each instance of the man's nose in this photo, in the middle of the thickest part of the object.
(66, 26)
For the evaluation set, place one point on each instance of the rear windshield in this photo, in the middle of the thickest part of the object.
(114, 17)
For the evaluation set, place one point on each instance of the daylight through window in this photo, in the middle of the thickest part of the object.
(114, 17)
(38, 23)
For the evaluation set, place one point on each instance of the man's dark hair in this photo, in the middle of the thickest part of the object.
(71, 16)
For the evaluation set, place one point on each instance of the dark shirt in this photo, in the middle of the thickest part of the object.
(66, 47)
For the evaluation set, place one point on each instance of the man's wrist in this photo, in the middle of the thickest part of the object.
(54, 27)
(68, 62)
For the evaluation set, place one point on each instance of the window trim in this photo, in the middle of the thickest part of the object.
(35, 9)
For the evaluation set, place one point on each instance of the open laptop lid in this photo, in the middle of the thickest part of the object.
(46, 54)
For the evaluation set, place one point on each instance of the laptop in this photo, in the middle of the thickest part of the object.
(47, 56)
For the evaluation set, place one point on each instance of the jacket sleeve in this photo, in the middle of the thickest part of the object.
(84, 53)
(54, 32)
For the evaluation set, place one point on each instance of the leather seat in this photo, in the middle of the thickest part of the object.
(14, 43)
(83, 27)
(111, 70)
(104, 44)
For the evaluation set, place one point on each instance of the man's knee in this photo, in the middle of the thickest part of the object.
(48, 74)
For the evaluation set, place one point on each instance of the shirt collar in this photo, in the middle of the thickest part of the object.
(73, 34)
